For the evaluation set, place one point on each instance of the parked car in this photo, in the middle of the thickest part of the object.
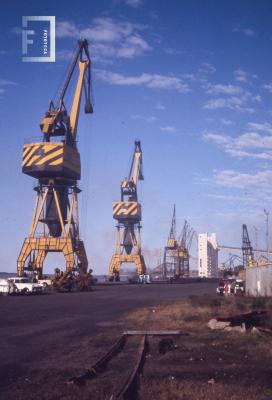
(144, 279)
(231, 286)
(239, 288)
(6, 287)
(46, 282)
(25, 286)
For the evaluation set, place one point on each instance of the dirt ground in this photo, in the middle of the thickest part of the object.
(46, 339)
(206, 364)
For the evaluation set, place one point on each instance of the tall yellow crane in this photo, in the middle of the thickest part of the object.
(55, 163)
(128, 214)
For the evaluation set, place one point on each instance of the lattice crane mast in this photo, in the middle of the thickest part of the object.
(247, 249)
(128, 214)
(56, 165)
(176, 252)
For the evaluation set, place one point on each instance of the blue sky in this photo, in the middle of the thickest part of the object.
(191, 79)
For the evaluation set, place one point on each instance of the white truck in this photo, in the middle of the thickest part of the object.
(6, 287)
(25, 286)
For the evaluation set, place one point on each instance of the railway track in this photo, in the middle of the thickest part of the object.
(130, 386)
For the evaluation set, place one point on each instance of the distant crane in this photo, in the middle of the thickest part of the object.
(56, 165)
(248, 251)
(230, 263)
(128, 214)
(176, 252)
(248, 257)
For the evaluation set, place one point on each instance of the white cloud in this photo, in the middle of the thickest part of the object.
(133, 46)
(154, 81)
(226, 121)
(264, 126)
(223, 89)
(235, 97)
(64, 54)
(240, 75)
(5, 82)
(134, 3)
(130, 3)
(66, 29)
(207, 68)
(234, 179)
(168, 129)
(172, 52)
(143, 118)
(109, 38)
(228, 197)
(247, 145)
(243, 76)
(268, 87)
(232, 103)
(160, 106)
(248, 32)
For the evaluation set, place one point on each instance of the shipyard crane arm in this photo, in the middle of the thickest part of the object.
(136, 168)
(191, 236)
(182, 240)
(171, 242)
(129, 185)
(57, 121)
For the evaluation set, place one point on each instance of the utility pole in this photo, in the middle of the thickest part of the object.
(267, 231)
(256, 241)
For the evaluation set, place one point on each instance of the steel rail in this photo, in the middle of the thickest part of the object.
(129, 388)
(100, 365)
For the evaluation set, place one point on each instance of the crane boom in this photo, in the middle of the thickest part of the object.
(57, 121)
(77, 97)
(137, 164)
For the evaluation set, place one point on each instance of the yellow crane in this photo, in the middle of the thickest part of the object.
(128, 214)
(56, 165)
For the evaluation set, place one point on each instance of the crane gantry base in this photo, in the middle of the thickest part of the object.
(118, 259)
(38, 247)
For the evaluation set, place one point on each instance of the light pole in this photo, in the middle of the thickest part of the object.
(267, 231)
(256, 241)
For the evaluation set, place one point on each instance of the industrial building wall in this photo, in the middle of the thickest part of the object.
(207, 255)
(259, 281)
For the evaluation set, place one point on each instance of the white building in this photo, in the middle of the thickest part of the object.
(207, 255)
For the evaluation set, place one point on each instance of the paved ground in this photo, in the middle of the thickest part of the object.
(49, 337)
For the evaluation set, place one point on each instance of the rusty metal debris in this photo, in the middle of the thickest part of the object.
(250, 319)
(72, 280)
(154, 333)
(239, 322)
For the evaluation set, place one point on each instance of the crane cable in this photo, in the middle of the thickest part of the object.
(86, 159)
(86, 179)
